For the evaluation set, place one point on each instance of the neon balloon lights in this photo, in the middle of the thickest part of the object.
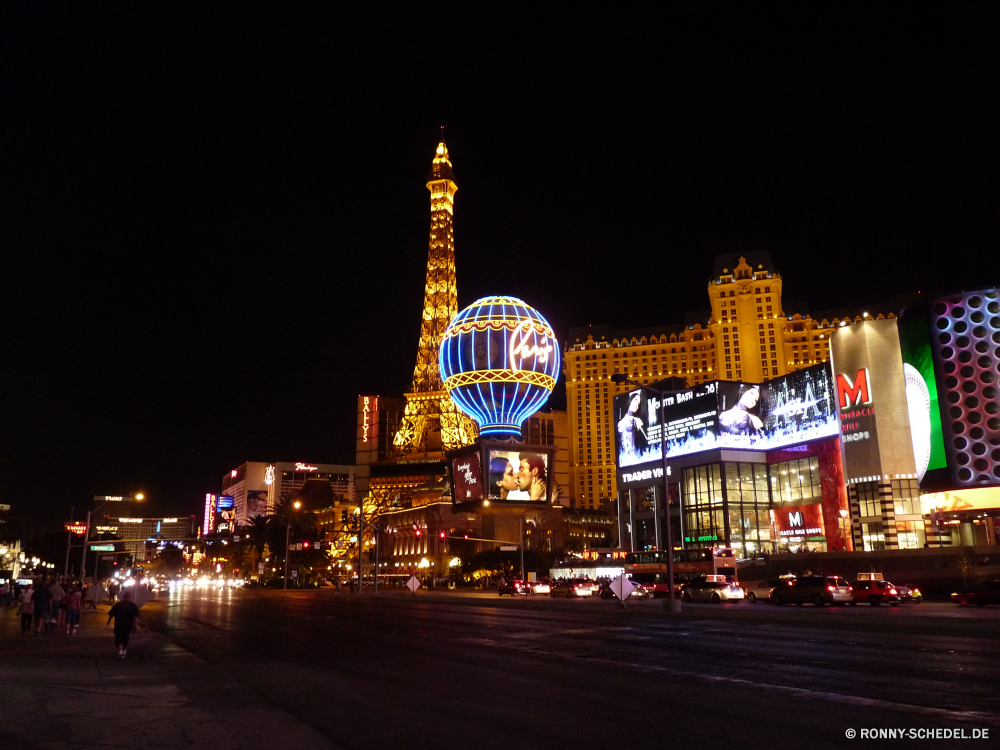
(499, 359)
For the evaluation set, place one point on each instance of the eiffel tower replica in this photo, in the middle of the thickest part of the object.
(431, 423)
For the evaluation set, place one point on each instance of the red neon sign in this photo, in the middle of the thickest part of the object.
(852, 393)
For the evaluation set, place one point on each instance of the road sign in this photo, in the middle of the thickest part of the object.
(622, 587)
(112, 498)
(413, 584)
(260, 568)
(102, 548)
(107, 557)
(509, 548)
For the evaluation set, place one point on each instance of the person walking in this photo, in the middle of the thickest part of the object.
(5, 594)
(58, 592)
(26, 606)
(41, 598)
(74, 598)
(125, 615)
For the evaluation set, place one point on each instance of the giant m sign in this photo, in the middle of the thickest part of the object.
(856, 392)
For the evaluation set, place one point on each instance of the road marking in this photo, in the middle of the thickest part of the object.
(851, 700)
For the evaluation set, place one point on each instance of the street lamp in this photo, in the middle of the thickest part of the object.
(288, 533)
(675, 604)
(843, 531)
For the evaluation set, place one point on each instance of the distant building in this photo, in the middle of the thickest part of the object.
(256, 488)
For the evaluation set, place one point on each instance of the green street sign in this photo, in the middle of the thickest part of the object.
(102, 548)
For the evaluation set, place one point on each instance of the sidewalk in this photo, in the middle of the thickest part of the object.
(60, 691)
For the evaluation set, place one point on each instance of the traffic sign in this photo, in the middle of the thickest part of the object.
(509, 548)
(622, 587)
(112, 498)
(102, 548)
(413, 584)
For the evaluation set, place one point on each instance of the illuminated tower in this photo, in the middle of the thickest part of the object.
(431, 423)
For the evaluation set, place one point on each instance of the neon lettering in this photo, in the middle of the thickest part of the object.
(520, 349)
(305, 467)
(856, 392)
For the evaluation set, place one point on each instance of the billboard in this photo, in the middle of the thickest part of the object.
(256, 503)
(922, 396)
(796, 408)
(467, 478)
(872, 400)
(518, 475)
(501, 473)
(226, 518)
(798, 522)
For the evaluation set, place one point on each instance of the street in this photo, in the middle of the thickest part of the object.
(448, 670)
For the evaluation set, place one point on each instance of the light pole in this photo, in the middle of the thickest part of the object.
(288, 533)
(843, 530)
(674, 604)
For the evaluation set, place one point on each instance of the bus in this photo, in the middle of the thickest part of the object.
(650, 567)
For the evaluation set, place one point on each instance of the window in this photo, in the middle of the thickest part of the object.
(872, 536)
(868, 500)
(906, 497)
(910, 534)
(795, 480)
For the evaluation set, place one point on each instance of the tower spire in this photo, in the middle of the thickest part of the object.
(431, 422)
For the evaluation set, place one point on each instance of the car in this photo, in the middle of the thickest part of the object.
(513, 588)
(638, 591)
(910, 593)
(874, 592)
(815, 589)
(711, 591)
(539, 587)
(572, 588)
(762, 590)
(980, 595)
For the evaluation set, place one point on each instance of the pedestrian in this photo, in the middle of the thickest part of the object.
(5, 594)
(41, 598)
(74, 598)
(58, 593)
(352, 585)
(125, 615)
(26, 606)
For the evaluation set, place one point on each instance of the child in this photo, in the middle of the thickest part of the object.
(125, 615)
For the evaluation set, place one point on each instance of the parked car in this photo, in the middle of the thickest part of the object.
(910, 593)
(762, 590)
(513, 588)
(815, 589)
(711, 591)
(874, 593)
(980, 595)
(572, 588)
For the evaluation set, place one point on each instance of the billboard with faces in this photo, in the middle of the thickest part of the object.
(502, 474)
(796, 408)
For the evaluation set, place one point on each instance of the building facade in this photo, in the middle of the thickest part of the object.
(747, 337)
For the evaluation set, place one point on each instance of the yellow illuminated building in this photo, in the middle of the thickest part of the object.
(747, 336)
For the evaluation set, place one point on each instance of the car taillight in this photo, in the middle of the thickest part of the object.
(892, 591)
(831, 588)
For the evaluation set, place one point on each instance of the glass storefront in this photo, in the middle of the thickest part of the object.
(729, 503)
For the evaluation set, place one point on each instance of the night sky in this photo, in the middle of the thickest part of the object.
(214, 221)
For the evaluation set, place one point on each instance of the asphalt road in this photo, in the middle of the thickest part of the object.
(445, 670)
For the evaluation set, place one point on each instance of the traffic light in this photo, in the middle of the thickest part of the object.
(343, 517)
(418, 532)
(442, 535)
(305, 545)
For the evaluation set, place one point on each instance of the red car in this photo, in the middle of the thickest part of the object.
(981, 595)
(874, 593)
